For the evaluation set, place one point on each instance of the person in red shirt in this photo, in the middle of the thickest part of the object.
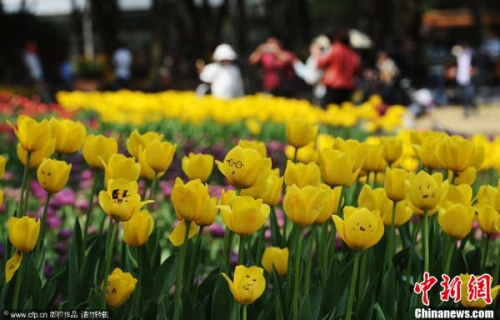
(277, 66)
(341, 64)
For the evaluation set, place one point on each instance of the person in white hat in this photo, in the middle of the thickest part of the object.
(223, 76)
(308, 71)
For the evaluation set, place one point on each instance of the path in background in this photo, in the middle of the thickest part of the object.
(485, 120)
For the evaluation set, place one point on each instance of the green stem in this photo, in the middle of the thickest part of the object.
(27, 194)
(485, 253)
(137, 293)
(24, 185)
(238, 311)
(228, 239)
(295, 152)
(193, 261)
(449, 256)
(180, 269)
(362, 284)
(43, 224)
(296, 270)
(410, 255)
(352, 288)
(152, 192)
(322, 253)
(426, 241)
(244, 312)
(390, 245)
(309, 261)
(113, 226)
(19, 277)
(41, 238)
(241, 250)
(88, 217)
(274, 228)
(260, 246)
(497, 269)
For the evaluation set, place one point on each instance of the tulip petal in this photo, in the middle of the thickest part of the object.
(12, 265)
(179, 233)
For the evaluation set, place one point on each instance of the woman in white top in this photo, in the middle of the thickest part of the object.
(223, 76)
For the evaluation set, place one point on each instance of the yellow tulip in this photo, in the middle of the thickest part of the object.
(98, 149)
(209, 215)
(468, 176)
(198, 166)
(486, 194)
(277, 258)
(424, 191)
(23, 232)
(177, 235)
(300, 132)
(191, 201)
(456, 221)
(120, 166)
(121, 199)
(455, 153)
(258, 146)
(372, 199)
(325, 141)
(249, 284)
(136, 143)
(355, 149)
(160, 155)
(480, 302)
(395, 183)
(427, 151)
(375, 161)
(402, 215)
(392, 148)
(254, 126)
(119, 288)
(486, 218)
(303, 205)
(331, 203)
(137, 230)
(244, 167)
(69, 134)
(360, 229)
(338, 168)
(3, 162)
(36, 157)
(306, 154)
(32, 135)
(146, 171)
(268, 190)
(457, 194)
(53, 175)
(227, 197)
(302, 174)
(245, 215)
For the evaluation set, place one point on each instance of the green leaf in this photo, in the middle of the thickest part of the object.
(305, 308)
(147, 275)
(380, 314)
(165, 276)
(223, 304)
(387, 298)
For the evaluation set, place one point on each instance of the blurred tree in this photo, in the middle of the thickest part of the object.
(106, 18)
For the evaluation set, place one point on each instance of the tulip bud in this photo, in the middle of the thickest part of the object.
(23, 233)
(119, 288)
(300, 133)
(277, 258)
(98, 149)
(198, 166)
(137, 230)
(53, 175)
(249, 284)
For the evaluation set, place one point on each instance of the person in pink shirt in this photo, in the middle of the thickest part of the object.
(341, 64)
(277, 66)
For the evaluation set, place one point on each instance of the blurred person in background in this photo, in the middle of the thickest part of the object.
(388, 73)
(341, 64)
(309, 71)
(122, 63)
(277, 66)
(223, 77)
(464, 76)
(35, 72)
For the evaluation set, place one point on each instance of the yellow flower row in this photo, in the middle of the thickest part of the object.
(138, 108)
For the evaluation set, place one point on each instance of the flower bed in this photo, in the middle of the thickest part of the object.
(186, 219)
